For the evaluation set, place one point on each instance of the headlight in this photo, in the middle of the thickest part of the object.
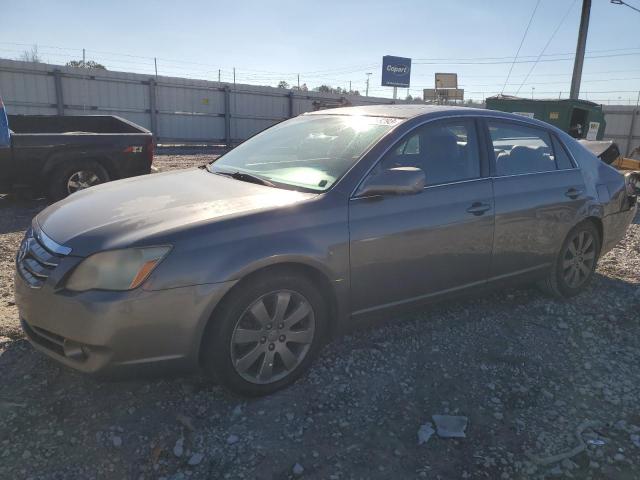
(116, 269)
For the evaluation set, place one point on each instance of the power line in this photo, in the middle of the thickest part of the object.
(526, 30)
(547, 44)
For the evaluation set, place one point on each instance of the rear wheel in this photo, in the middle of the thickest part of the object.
(71, 177)
(265, 335)
(576, 263)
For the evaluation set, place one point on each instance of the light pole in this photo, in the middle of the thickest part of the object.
(367, 91)
(532, 89)
(580, 48)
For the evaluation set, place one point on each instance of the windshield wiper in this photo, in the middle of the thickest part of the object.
(246, 177)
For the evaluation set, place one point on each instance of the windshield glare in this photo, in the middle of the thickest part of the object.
(310, 152)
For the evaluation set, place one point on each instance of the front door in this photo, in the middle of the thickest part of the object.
(410, 247)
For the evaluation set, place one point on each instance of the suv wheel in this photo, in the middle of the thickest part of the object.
(265, 335)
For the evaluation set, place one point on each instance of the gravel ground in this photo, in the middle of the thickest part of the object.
(549, 389)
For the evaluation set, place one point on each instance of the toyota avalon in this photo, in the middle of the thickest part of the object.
(244, 267)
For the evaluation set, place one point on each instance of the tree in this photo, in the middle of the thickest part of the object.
(409, 98)
(31, 55)
(283, 84)
(90, 64)
(324, 89)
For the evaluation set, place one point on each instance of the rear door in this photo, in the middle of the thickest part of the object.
(538, 194)
(410, 247)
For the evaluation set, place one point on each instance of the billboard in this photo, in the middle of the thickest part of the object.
(446, 80)
(435, 94)
(396, 71)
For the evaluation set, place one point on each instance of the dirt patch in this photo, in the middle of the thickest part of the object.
(549, 388)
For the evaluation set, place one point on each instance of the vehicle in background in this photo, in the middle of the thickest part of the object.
(246, 266)
(579, 118)
(59, 155)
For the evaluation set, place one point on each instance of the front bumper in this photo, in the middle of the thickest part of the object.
(100, 331)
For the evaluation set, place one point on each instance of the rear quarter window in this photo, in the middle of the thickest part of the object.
(562, 157)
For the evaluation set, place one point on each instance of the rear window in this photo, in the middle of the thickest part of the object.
(521, 149)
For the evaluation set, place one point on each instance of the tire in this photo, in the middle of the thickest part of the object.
(243, 367)
(87, 173)
(584, 239)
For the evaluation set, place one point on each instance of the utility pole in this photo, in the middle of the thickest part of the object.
(83, 57)
(367, 91)
(234, 77)
(218, 75)
(350, 86)
(155, 64)
(580, 48)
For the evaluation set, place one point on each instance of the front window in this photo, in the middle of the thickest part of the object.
(310, 152)
(446, 151)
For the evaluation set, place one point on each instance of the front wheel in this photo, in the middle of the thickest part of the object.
(576, 263)
(265, 334)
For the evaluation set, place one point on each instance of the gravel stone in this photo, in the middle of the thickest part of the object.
(178, 448)
(298, 470)
(196, 459)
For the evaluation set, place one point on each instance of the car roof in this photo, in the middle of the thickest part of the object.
(409, 111)
(395, 110)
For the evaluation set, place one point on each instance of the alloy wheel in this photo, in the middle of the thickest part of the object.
(81, 180)
(579, 259)
(272, 337)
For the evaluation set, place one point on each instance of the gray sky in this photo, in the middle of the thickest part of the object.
(333, 43)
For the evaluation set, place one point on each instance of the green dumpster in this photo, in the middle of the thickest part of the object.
(579, 118)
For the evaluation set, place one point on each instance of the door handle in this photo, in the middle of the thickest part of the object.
(573, 193)
(478, 208)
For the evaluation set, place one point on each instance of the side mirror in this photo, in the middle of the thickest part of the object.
(394, 181)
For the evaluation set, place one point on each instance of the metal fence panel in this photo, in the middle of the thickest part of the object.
(623, 127)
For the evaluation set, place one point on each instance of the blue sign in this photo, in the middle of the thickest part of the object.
(4, 127)
(396, 71)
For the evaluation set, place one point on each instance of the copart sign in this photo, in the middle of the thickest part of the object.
(396, 71)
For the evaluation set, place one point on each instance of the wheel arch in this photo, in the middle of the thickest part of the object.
(597, 222)
(61, 158)
(315, 274)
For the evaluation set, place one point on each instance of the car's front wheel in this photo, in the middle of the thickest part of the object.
(576, 263)
(265, 334)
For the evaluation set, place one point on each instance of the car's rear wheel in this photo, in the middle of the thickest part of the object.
(265, 335)
(74, 176)
(576, 263)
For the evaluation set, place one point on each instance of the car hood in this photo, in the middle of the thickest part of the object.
(121, 213)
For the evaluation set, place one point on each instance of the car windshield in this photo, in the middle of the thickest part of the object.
(309, 152)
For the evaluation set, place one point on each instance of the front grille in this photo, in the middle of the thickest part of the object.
(35, 261)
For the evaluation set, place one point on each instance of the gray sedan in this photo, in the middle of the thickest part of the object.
(246, 266)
